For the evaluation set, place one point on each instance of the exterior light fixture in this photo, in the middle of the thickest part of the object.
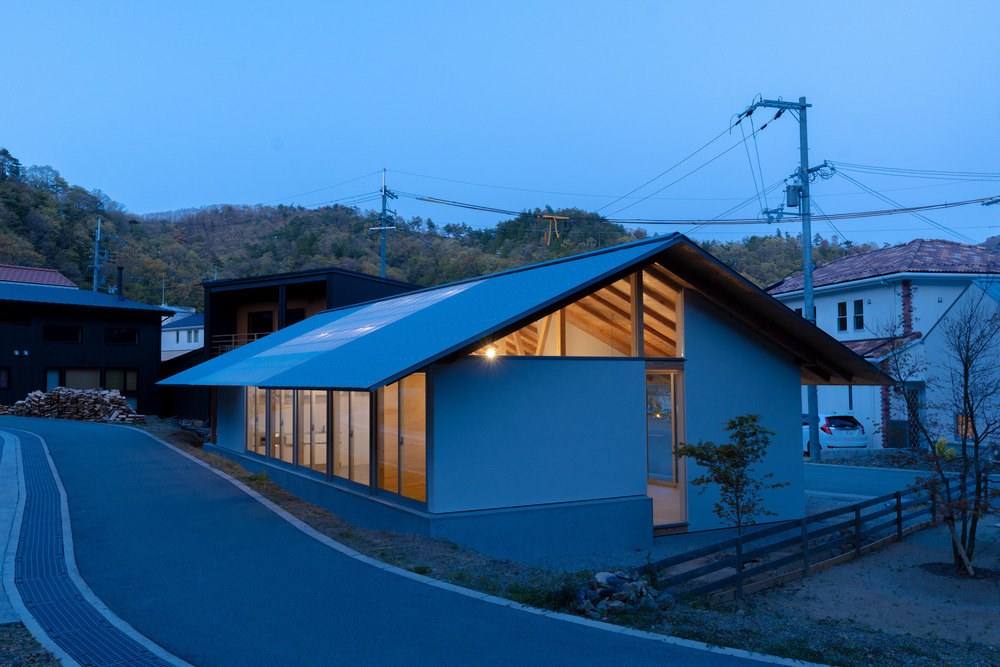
(491, 352)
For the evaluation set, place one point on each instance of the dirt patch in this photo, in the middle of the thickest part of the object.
(18, 647)
(895, 590)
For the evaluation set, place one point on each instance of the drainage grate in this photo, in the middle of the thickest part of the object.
(41, 577)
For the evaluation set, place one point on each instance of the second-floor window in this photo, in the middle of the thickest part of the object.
(842, 316)
(859, 314)
(121, 336)
(59, 333)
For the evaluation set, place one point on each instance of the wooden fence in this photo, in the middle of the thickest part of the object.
(797, 544)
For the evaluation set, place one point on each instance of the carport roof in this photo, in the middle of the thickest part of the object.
(370, 345)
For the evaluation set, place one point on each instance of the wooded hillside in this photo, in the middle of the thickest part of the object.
(46, 222)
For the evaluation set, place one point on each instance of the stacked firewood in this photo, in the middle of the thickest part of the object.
(91, 405)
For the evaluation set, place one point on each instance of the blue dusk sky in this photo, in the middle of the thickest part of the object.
(515, 105)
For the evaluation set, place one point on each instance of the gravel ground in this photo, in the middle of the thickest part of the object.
(892, 607)
(18, 647)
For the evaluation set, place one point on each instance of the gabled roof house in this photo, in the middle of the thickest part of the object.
(54, 334)
(877, 301)
(530, 412)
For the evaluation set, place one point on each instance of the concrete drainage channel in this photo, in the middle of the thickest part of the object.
(47, 590)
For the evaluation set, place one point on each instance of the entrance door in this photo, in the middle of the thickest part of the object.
(661, 437)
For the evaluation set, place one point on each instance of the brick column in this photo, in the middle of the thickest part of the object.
(907, 307)
(884, 367)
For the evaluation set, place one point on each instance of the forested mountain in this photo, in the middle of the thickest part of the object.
(46, 222)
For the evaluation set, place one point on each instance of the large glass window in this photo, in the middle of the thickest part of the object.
(402, 443)
(312, 430)
(351, 418)
(257, 420)
(601, 324)
(282, 425)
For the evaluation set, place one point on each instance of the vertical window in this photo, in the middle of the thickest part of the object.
(312, 430)
(196, 335)
(189, 335)
(859, 314)
(52, 378)
(177, 336)
(413, 437)
(4, 378)
(660, 460)
(351, 439)
(842, 316)
(282, 425)
(256, 420)
(963, 428)
(402, 448)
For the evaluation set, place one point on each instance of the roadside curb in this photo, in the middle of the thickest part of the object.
(72, 572)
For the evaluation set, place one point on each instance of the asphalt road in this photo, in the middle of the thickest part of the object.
(857, 481)
(216, 578)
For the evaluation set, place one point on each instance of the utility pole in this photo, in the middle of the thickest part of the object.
(97, 255)
(808, 306)
(384, 225)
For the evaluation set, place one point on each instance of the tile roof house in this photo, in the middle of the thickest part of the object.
(33, 276)
(529, 412)
(877, 301)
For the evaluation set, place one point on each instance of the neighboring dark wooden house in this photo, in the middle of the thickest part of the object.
(242, 310)
(55, 334)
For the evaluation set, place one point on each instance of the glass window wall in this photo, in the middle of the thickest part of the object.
(312, 430)
(282, 425)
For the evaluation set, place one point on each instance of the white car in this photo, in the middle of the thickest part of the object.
(836, 431)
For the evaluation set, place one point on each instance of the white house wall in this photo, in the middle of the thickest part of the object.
(520, 431)
(730, 372)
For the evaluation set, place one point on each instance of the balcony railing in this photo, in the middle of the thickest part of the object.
(222, 343)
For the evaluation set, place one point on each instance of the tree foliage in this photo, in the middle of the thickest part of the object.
(46, 222)
(729, 466)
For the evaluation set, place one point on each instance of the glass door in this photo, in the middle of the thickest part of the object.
(660, 430)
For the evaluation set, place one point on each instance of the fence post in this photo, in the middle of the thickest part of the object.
(934, 500)
(739, 567)
(857, 530)
(899, 515)
(805, 548)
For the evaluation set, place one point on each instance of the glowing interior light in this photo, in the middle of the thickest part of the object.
(491, 352)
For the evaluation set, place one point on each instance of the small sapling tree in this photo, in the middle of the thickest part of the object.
(730, 466)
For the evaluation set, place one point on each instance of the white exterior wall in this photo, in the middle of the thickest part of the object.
(230, 427)
(931, 296)
(520, 431)
(729, 371)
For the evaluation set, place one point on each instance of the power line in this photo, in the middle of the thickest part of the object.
(693, 171)
(328, 187)
(913, 210)
(917, 173)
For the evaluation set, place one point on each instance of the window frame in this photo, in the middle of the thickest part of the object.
(841, 316)
(859, 314)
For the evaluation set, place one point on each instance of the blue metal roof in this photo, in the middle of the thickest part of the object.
(370, 345)
(189, 322)
(373, 344)
(65, 296)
